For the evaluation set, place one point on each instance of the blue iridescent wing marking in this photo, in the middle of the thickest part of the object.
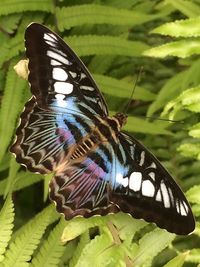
(84, 188)
(146, 190)
(44, 137)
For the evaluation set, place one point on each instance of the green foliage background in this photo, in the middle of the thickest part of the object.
(115, 39)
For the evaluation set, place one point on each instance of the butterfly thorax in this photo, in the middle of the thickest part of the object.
(121, 119)
(105, 130)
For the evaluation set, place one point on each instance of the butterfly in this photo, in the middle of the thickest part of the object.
(65, 128)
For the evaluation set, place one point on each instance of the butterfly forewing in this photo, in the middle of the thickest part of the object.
(65, 128)
(56, 73)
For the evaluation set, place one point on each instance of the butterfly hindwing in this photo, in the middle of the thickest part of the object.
(84, 187)
(148, 191)
(45, 137)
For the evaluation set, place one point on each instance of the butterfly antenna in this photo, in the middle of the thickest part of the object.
(133, 91)
(162, 119)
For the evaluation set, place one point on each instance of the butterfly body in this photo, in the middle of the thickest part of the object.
(65, 128)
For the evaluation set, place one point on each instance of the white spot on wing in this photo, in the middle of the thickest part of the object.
(177, 206)
(182, 210)
(51, 44)
(135, 181)
(63, 87)
(153, 165)
(152, 175)
(89, 88)
(158, 196)
(186, 206)
(55, 62)
(148, 188)
(82, 75)
(73, 74)
(60, 100)
(142, 157)
(58, 57)
(50, 37)
(171, 195)
(166, 200)
(122, 180)
(59, 74)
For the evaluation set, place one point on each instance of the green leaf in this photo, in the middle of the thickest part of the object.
(150, 245)
(180, 28)
(171, 89)
(51, 250)
(190, 150)
(14, 167)
(78, 226)
(195, 131)
(9, 23)
(193, 194)
(182, 49)
(194, 256)
(6, 224)
(11, 105)
(143, 126)
(105, 45)
(121, 88)
(188, 8)
(99, 14)
(94, 253)
(177, 261)
(189, 100)
(127, 226)
(27, 240)
(13, 6)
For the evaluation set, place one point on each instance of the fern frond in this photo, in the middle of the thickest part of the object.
(195, 130)
(6, 225)
(150, 245)
(180, 28)
(22, 180)
(121, 88)
(11, 105)
(99, 14)
(93, 252)
(14, 167)
(51, 250)
(13, 6)
(175, 85)
(188, 8)
(78, 226)
(99, 65)
(194, 256)
(15, 45)
(84, 240)
(26, 241)
(144, 126)
(193, 194)
(11, 48)
(182, 49)
(9, 23)
(190, 150)
(127, 226)
(177, 261)
(189, 100)
(105, 45)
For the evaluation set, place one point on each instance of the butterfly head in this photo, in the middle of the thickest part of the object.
(121, 119)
